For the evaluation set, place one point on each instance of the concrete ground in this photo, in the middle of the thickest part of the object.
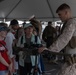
(52, 68)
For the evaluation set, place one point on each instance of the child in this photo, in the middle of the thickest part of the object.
(5, 62)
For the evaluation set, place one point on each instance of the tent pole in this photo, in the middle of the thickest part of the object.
(4, 20)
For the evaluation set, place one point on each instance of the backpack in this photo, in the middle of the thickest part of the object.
(35, 39)
(72, 42)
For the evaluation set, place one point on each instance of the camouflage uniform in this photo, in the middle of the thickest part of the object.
(63, 40)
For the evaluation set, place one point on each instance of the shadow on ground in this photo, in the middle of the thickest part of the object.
(52, 68)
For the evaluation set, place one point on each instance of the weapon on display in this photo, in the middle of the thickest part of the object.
(55, 53)
(28, 50)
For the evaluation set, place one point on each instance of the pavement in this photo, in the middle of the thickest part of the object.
(52, 68)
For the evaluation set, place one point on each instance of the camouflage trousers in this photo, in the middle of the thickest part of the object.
(69, 68)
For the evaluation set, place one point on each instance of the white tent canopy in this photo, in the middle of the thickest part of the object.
(43, 9)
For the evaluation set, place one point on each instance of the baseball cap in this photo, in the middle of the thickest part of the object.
(14, 22)
(4, 28)
(27, 25)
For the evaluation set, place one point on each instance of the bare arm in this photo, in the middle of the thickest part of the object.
(2, 60)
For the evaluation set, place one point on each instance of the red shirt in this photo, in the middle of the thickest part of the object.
(3, 52)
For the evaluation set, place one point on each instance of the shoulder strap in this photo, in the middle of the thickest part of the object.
(3, 45)
(36, 39)
(63, 27)
(21, 40)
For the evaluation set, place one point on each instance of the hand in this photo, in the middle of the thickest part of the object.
(41, 49)
(10, 67)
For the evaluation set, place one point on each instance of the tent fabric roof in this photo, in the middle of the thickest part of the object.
(43, 9)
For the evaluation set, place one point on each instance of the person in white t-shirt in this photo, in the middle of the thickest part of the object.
(10, 40)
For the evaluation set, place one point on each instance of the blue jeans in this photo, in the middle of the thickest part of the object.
(3, 72)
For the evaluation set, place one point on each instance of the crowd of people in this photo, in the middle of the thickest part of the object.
(19, 38)
(28, 43)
